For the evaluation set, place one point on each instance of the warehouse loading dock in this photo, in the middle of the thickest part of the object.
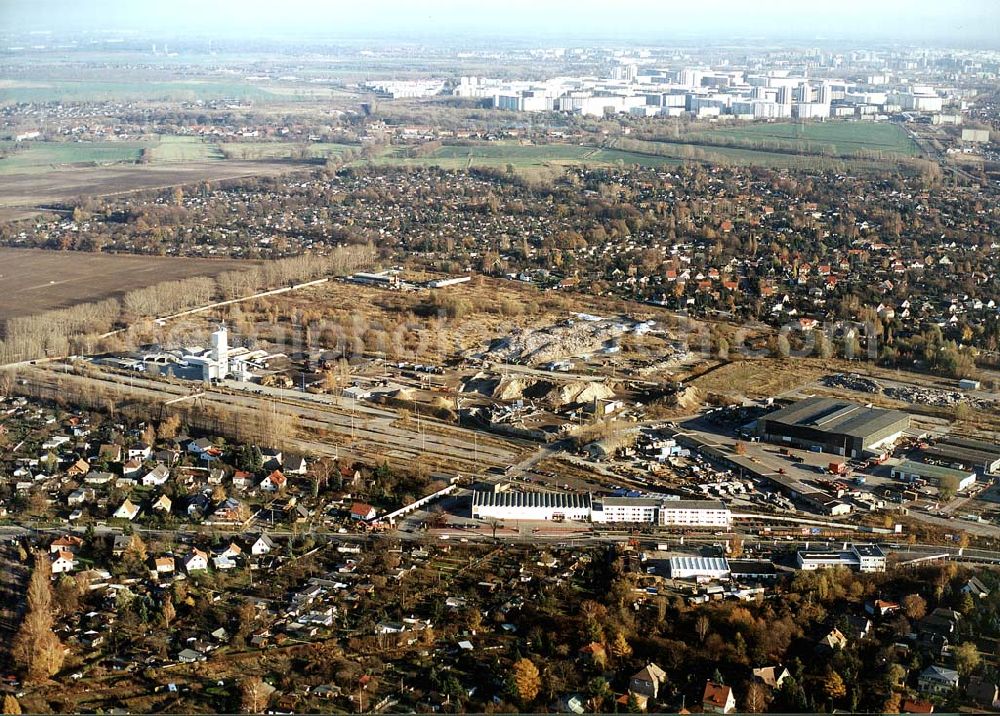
(978, 460)
(979, 455)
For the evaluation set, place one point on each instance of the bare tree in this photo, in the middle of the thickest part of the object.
(254, 694)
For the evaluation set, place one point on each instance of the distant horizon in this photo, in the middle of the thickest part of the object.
(957, 23)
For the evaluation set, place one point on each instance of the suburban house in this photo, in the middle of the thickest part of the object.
(198, 504)
(223, 562)
(295, 465)
(163, 565)
(916, 706)
(941, 621)
(881, 608)
(162, 504)
(718, 699)
(273, 482)
(648, 681)
(242, 480)
(937, 680)
(199, 446)
(139, 451)
(196, 561)
(66, 543)
(190, 656)
(229, 510)
(771, 676)
(127, 511)
(833, 641)
(231, 550)
(80, 496)
(120, 544)
(78, 468)
(156, 477)
(98, 478)
(64, 562)
(976, 588)
(271, 458)
(594, 651)
(261, 546)
(362, 511)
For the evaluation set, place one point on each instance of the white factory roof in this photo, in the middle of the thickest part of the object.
(699, 564)
(558, 500)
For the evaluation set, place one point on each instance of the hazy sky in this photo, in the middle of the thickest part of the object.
(940, 21)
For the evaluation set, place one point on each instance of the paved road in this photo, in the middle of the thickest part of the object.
(583, 536)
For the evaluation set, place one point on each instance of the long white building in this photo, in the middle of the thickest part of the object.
(513, 505)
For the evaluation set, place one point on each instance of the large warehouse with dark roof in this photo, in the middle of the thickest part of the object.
(833, 425)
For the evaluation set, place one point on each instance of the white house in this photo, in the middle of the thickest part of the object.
(197, 561)
(263, 545)
(64, 562)
(127, 511)
(295, 465)
(156, 477)
(162, 504)
(140, 451)
(273, 482)
(937, 680)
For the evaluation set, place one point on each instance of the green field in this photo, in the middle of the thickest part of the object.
(32, 157)
(284, 150)
(184, 149)
(95, 91)
(839, 138)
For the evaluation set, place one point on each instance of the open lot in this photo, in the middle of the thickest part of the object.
(34, 281)
(285, 150)
(46, 187)
(185, 149)
(523, 158)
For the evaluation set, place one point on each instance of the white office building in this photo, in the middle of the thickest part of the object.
(695, 513)
(859, 557)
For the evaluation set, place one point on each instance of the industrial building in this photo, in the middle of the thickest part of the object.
(498, 502)
(514, 505)
(977, 455)
(833, 425)
(699, 568)
(859, 557)
(935, 475)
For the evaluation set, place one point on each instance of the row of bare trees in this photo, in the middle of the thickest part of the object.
(75, 329)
